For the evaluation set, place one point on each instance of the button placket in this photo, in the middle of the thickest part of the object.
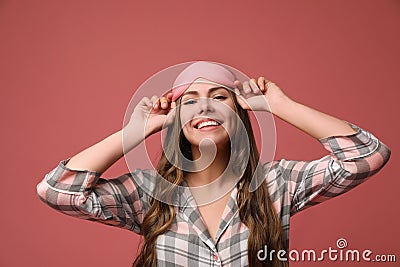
(216, 258)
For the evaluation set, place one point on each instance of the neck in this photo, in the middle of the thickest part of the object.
(208, 185)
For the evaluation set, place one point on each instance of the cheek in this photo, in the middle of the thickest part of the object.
(227, 109)
(232, 120)
(186, 115)
(184, 119)
(186, 131)
(185, 124)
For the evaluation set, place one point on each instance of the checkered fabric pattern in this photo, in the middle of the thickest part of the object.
(293, 186)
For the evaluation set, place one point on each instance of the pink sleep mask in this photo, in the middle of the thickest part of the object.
(202, 71)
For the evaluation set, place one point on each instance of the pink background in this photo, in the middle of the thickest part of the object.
(68, 70)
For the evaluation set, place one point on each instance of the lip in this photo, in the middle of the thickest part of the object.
(196, 122)
(209, 128)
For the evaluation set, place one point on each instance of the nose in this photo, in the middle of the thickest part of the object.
(205, 105)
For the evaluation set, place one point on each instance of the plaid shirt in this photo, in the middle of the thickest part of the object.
(293, 186)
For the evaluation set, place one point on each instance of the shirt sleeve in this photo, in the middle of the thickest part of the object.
(84, 194)
(352, 159)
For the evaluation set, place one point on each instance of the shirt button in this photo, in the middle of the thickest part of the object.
(216, 257)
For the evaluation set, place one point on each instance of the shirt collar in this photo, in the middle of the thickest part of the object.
(190, 212)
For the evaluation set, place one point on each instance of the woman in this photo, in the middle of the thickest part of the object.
(210, 148)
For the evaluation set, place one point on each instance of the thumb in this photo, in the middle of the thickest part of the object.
(243, 102)
(171, 115)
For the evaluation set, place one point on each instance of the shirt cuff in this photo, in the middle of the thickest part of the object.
(357, 145)
(65, 179)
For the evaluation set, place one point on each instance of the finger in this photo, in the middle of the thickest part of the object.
(246, 87)
(173, 105)
(155, 101)
(238, 84)
(254, 86)
(146, 101)
(268, 83)
(169, 96)
(238, 87)
(261, 83)
(164, 102)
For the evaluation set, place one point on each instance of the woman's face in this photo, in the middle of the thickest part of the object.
(207, 111)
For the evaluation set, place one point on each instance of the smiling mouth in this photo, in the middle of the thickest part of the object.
(207, 123)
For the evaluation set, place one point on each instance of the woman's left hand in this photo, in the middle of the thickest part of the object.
(258, 95)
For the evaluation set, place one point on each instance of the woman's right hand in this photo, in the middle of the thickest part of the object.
(153, 114)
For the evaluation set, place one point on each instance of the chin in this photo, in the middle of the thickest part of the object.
(220, 140)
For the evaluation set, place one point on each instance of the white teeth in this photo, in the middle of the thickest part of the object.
(206, 123)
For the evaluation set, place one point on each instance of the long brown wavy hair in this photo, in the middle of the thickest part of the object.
(255, 208)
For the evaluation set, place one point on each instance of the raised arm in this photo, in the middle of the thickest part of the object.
(313, 122)
(264, 95)
(354, 154)
(148, 117)
(75, 186)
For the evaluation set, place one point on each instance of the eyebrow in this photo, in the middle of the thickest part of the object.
(211, 90)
